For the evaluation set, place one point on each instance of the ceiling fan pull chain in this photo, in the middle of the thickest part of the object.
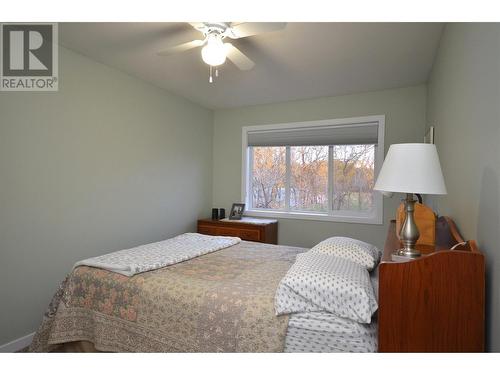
(210, 79)
(216, 72)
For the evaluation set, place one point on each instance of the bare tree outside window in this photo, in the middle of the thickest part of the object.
(309, 178)
(353, 177)
(268, 177)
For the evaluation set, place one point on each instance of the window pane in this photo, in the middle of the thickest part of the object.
(309, 178)
(268, 177)
(353, 177)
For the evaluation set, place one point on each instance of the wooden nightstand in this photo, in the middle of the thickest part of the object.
(434, 303)
(248, 229)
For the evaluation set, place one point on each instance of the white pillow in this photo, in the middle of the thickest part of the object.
(348, 248)
(319, 282)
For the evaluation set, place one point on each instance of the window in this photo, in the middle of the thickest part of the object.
(322, 170)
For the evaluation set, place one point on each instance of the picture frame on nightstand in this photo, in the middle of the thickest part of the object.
(237, 210)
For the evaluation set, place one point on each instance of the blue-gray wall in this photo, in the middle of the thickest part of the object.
(464, 107)
(106, 163)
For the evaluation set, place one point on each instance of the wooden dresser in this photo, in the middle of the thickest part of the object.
(248, 229)
(434, 303)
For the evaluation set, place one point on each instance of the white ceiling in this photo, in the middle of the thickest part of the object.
(305, 60)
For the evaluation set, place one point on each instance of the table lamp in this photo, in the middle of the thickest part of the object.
(411, 168)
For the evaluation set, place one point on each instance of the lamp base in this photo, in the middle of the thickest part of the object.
(395, 257)
(410, 253)
(409, 231)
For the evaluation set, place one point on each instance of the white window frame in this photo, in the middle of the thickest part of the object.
(373, 217)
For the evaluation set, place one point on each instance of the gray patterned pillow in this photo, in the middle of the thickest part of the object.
(348, 248)
(319, 282)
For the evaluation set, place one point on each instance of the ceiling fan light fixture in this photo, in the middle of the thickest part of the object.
(214, 52)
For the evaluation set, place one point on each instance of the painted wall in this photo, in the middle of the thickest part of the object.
(464, 107)
(405, 122)
(106, 163)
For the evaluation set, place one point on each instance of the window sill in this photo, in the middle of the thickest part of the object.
(372, 219)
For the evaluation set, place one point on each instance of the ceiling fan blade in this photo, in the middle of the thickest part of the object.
(181, 47)
(197, 25)
(238, 58)
(242, 30)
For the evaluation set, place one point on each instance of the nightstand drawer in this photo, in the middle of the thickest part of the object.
(223, 231)
(248, 230)
(244, 234)
(212, 231)
(249, 235)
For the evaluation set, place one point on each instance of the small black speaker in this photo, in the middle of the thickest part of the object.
(215, 214)
(222, 213)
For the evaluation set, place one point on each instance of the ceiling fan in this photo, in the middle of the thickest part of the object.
(215, 51)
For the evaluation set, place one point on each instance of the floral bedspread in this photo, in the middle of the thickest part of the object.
(219, 302)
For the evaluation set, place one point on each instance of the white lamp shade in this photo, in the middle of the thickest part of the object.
(411, 168)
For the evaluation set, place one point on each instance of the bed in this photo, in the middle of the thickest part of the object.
(246, 297)
(223, 301)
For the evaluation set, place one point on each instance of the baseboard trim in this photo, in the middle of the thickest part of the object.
(18, 344)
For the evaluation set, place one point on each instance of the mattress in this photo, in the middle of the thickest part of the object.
(320, 332)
